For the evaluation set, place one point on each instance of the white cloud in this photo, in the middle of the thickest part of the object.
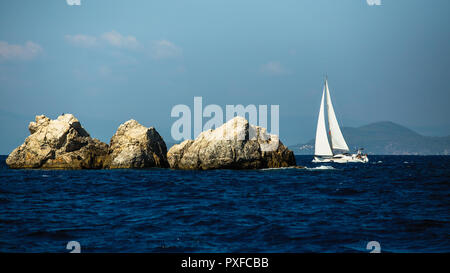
(159, 49)
(112, 38)
(82, 40)
(274, 68)
(164, 49)
(116, 39)
(27, 51)
(373, 2)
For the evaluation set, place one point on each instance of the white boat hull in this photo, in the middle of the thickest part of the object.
(342, 158)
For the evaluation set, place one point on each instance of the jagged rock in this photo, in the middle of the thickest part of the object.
(136, 146)
(58, 144)
(177, 151)
(234, 145)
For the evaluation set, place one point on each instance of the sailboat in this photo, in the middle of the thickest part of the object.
(336, 151)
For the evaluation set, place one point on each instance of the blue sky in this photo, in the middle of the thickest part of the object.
(107, 61)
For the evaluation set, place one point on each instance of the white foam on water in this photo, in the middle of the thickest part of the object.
(45, 175)
(281, 168)
(323, 167)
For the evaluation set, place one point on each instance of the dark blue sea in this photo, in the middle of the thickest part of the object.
(402, 202)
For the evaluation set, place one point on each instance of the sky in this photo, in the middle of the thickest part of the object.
(107, 61)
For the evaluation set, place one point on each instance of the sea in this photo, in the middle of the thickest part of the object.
(402, 203)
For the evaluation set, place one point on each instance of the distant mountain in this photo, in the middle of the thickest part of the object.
(386, 138)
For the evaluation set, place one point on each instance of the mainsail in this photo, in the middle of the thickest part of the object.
(322, 146)
(337, 140)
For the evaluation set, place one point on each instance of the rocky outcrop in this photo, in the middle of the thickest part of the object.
(234, 145)
(136, 146)
(64, 144)
(58, 144)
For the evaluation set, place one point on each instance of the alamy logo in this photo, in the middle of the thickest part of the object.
(182, 127)
(374, 2)
(74, 246)
(374, 246)
(73, 2)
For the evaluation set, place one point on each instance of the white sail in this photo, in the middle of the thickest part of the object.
(322, 146)
(337, 139)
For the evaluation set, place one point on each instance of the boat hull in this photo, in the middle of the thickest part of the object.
(342, 158)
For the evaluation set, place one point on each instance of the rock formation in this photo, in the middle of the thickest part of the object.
(64, 144)
(136, 146)
(58, 144)
(234, 145)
